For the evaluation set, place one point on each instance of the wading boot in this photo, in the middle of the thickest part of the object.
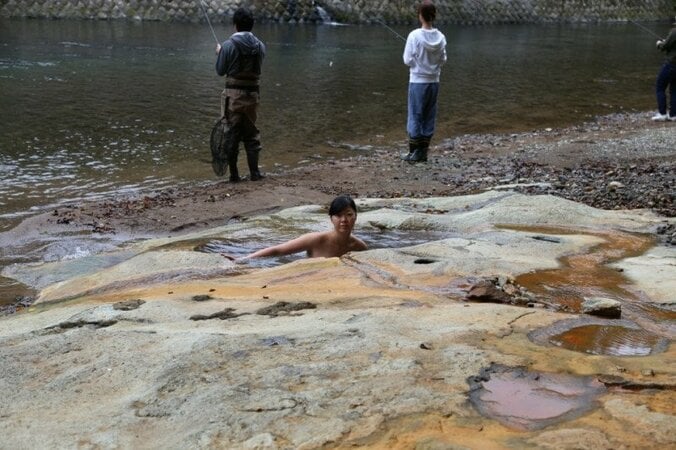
(234, 173)
(234, 176)
(252, 161)
(419, 155)
(411, 149)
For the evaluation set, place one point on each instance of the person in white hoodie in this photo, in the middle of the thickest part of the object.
(425, 53)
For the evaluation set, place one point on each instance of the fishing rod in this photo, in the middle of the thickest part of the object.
(645, 29)
(395, 33)
(209, 21)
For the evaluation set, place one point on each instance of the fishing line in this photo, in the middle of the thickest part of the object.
(645, 29)
(395, 33)
(637, 5)
(209, 22)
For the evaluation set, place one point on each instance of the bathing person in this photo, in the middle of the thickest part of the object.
(667, 77)
(327, 244)
(424, 53)
(240, 59)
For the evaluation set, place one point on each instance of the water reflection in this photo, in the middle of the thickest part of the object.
(608, 340)
(99, 108)
(526, 400)
(597, 336)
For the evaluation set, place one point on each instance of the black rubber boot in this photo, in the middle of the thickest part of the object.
(252, 152)
(419, 155)
(411, 149)
(232, 165)
(234, 175)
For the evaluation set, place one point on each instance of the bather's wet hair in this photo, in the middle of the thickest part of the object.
(243, 19)
(427, 10)
(340, 203)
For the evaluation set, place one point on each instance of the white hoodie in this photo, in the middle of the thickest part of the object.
(425, 53)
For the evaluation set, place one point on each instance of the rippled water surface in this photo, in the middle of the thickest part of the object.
(608, 340)
(98, 108)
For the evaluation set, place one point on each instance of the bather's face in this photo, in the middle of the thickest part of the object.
(344, 221)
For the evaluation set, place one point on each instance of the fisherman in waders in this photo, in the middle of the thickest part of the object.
(667, 77)
(240, 59)
(425, 53)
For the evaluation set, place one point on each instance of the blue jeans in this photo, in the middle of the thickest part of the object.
(422, 110)
(666, 77)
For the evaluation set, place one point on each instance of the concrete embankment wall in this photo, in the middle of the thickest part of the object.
(347, 11)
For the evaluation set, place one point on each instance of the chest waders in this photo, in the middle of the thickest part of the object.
(239, 111)
(240, 101)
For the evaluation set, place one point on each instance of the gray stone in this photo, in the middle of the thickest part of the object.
(603, 307)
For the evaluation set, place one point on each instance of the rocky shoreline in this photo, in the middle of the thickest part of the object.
(620, 161)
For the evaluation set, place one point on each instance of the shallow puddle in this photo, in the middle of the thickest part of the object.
(600, 337)
(527, 400)
(607, 340)
(588, 274)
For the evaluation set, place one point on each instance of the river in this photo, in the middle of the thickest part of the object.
(94, 109)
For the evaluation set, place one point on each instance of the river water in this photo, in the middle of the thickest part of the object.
(93, 109)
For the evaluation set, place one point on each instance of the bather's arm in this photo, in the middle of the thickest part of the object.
(297, 245)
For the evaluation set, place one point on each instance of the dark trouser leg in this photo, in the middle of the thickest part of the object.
(661, 87)
(672, 92)
(422, 112)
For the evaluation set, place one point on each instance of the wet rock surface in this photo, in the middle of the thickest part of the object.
(374, 349)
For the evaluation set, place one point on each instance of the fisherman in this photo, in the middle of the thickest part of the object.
(240, 59)
(327, 244)
(424, 53)
(667, 77)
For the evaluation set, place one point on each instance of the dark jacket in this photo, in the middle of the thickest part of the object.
(668, 46)
(241, 56)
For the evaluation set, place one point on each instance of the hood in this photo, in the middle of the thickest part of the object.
(247, 43)
(432, 39)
